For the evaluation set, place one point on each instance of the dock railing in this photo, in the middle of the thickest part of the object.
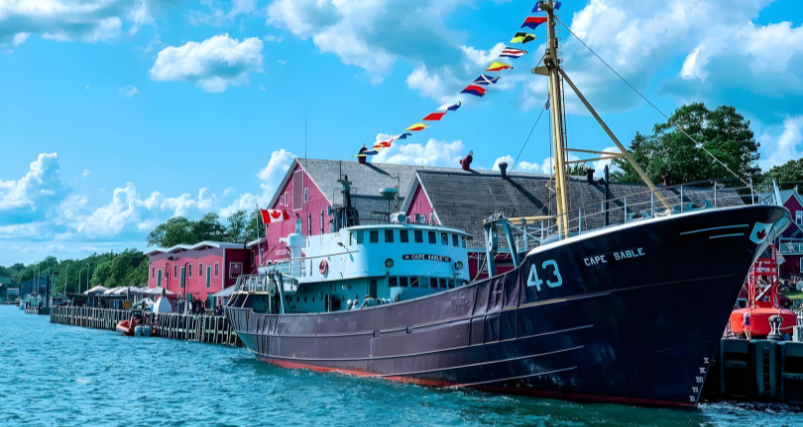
(188, 327)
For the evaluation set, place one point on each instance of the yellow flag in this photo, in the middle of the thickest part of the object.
(417, 127)
(499, 66)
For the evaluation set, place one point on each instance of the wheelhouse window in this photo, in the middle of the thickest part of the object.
(445, 239)
(388, 236)
(419, 236)
(414, 282)
(404, 236)
(464, 241)
(455, 240)
(433, 239)
(359, 234)
(374, 236)
(393, 282)
(442, 283)
(403, 282)
(433, 282)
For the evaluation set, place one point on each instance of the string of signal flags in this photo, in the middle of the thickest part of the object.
(478, 87)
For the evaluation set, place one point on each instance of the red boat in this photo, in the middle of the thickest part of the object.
(127, 326)
(763, 299)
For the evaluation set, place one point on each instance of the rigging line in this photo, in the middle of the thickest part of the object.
(651, 104)
(528, 136)
(424, 147)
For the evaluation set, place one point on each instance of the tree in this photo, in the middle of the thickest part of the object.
(788, 175)
(255, 227)
(236, 230)
(174, 231)
(208, 228)
(670, 153)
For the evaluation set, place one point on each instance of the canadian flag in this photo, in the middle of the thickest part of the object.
(274, 215)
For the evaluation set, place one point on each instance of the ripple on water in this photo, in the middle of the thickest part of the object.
(71, 376)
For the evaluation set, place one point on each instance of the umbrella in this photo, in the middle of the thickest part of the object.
(95, 290)
(158, 291)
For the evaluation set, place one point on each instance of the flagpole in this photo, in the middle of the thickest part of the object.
(424, 147)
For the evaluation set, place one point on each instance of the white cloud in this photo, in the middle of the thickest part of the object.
(218, 17)
(784, 147)
(481, 58)
(69, 20)
(281, 62)
(87, 87)
(270, 177)
(19, 39)
(434, 153)
(129, 211)
(213, 64)
(30, 197)
(272, 38)
(85, 173)
(228, 191)
(357, 31)
(128, 91)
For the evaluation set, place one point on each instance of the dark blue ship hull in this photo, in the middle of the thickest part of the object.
(629, 314)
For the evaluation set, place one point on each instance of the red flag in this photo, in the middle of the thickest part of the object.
(274, 215)
(434, 117)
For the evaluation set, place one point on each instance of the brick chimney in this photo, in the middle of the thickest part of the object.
(590, 175)
(503, 169)
(466, 161)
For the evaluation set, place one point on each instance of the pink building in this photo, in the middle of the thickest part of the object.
(201, 269)
(791, 242)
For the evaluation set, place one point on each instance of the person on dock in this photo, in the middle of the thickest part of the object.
(746, 324)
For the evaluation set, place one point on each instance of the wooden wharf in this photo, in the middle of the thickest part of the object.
(186, 327)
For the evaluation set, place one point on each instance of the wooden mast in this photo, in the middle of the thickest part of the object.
(552, 63)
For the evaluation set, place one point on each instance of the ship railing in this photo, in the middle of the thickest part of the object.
(261, 283)
(789, 248)
(643, 204)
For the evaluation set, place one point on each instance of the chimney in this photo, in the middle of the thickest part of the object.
(361, 159)
(466, 162)
(590, 175)
(503, 169)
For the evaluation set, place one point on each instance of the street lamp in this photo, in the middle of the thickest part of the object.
(87, 276)
(79, 279)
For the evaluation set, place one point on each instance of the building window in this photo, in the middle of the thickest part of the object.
(189, 270)
(201, 270)
(388, 236)
(321, 222)
(455, 240)
(404, 236)
(216, 269)
(175, 271)
(432, 218)
(433, 238)
(153, 272)
(298, 190)
(287, 198)
(799, 217)
(235, 270)
(309, 224)
(374, 236)
(420, 219)
(306, 195)
(208, 276)
(419, 236)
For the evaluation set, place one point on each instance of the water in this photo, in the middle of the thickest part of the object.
(65, 375)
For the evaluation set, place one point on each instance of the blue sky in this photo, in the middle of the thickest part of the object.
(117, 114)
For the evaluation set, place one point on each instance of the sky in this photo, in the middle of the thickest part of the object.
(116, 115)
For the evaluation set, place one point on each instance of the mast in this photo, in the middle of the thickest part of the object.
(552, 63)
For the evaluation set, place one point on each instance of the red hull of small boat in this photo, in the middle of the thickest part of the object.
(125, 328)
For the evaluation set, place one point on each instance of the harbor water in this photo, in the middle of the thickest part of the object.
(65, 375)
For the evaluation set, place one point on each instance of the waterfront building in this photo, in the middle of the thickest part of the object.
(791, 242)
(201, 269)
(9, 291)
(460, 198)
(34, 286)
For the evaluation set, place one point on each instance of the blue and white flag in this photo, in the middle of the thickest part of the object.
(485, 80)
(404, 135)
(537, 8)
(450, 107)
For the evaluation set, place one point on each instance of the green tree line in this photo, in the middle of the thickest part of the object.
(240, 226)
(127, 268)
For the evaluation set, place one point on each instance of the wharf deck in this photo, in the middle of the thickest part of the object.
(756, 370)
(187, 327)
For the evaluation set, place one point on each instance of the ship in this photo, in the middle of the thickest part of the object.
(629, 313)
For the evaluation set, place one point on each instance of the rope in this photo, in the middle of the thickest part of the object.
(652, 105)
(528, 137)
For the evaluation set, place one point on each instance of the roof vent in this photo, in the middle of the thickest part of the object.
(503, 169)
(466, 162)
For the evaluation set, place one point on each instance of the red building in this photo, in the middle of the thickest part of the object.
(791, 242)
(201, 269)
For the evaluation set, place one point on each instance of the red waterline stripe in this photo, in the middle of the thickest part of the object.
(536, 393)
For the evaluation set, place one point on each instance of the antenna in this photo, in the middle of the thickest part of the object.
(306, 112)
